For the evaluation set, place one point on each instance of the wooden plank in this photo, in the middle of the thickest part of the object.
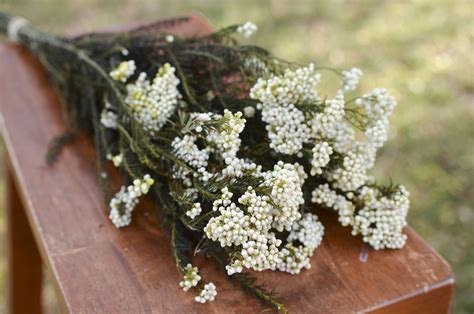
(24, 273)
(101, 269)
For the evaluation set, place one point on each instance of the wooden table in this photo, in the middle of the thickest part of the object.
(56, 216)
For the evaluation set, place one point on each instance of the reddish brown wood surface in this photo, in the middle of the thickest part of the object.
(24, 273)
(99, 268)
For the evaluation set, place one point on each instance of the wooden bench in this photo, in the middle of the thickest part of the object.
(56, 216)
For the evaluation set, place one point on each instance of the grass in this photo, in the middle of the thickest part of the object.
(420, 50)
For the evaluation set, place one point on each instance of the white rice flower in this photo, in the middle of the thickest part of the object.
(124, 202)
(321, 157)
(382, 219)
(247, 29)
(287, 128)
(191, 277)
(234, 268)
(325, 123)
(208, 293)
(323, 195)
(259, 209)
(295, 118)
(185, 148)
(377, 104)
(286, 183)
(294, 258)
(377, 133)
(260, 252)
(350, 79)
(226, 138)
(236, 167)
(231, 226)
(154, 102)
(123, 71)
(109, 119)
(308, 231)
(353, 172)
(194, 211)
(117, 160)
(249, 112)
(293, 87)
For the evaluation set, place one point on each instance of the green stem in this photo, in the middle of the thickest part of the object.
(261, 294)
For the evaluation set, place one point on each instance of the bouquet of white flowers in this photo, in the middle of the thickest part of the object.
(238, 149)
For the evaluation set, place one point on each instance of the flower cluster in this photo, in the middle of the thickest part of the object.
(208, 293)
(124, 202)
(286, 125)
(308, 231)
(379, 217)
(225, 138)
(259, 208)
(108, 119)
(230, 227)
(191, 277)
(260, 248)
(381, 220)
(286, 181)
(247, 29)
(350, 79)
(248, 226)
(123, 71)
(323, 195)
(194, 211)
(221, 134)
(321, 157)
(326, 123)
(352, 174)
(260, 252)
(294, 258)
(378, 106)
(116, 160)
(154, 102)
(292, 87)
(287, 130)
(186, 149)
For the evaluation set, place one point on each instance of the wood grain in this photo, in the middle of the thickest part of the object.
(100, 269)
(24, 276)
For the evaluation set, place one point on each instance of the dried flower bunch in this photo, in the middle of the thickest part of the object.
(238, 149)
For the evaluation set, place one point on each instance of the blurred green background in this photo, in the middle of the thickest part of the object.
(420, 50)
